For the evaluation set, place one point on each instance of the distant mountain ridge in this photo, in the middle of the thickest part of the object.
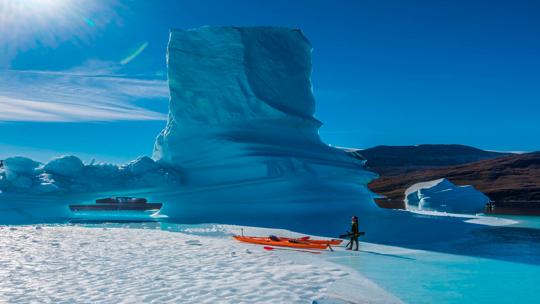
(394, 160)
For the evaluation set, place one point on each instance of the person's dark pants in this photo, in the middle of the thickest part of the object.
(354, 239)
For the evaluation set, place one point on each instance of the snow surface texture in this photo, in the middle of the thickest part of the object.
(67, 264)
(68, 174)
(443, 195)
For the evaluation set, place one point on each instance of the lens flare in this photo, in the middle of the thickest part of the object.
(134, 54)
(25, 24)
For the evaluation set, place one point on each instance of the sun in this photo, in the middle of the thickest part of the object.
(39, 5)
(26, 16)
(25, 24)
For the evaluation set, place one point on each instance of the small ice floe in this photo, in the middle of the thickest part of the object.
(193, 242)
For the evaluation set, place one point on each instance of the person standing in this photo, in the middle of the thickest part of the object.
(355, 233)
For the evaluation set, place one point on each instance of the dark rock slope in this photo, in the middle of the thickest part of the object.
(510, 181)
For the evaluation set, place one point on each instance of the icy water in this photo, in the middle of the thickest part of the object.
(425, 276)
(523, 221)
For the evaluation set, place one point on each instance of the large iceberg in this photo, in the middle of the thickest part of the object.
(241, 111)
(241, 100)
(241, 144)
(443, 195)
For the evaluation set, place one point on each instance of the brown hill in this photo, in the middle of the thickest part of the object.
(510, 181)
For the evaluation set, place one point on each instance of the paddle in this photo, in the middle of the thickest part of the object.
(299, 250)
(349, 234)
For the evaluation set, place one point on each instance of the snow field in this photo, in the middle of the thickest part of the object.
(67, 264)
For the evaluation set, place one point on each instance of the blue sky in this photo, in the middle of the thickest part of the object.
(87, 77)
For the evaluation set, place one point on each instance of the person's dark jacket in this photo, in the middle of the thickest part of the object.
(354, 229)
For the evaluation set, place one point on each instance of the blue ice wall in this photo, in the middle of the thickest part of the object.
(241, 110)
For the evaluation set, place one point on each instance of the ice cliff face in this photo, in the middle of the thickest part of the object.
(242, 107)
(241, 131)
(242, 87)
(443, 195)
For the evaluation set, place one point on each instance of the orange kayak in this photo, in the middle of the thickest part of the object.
(332, 242)
(305, 239)
(293, 243)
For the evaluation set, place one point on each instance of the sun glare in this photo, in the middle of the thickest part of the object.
(28, 23)
(40, 5)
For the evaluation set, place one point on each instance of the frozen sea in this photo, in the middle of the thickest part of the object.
(494, 264)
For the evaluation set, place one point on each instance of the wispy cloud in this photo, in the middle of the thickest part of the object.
(89, 93)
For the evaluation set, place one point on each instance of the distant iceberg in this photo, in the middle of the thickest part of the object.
(443, 195)
(68, 174)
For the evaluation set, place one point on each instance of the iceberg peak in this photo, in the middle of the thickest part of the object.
(236, 84)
